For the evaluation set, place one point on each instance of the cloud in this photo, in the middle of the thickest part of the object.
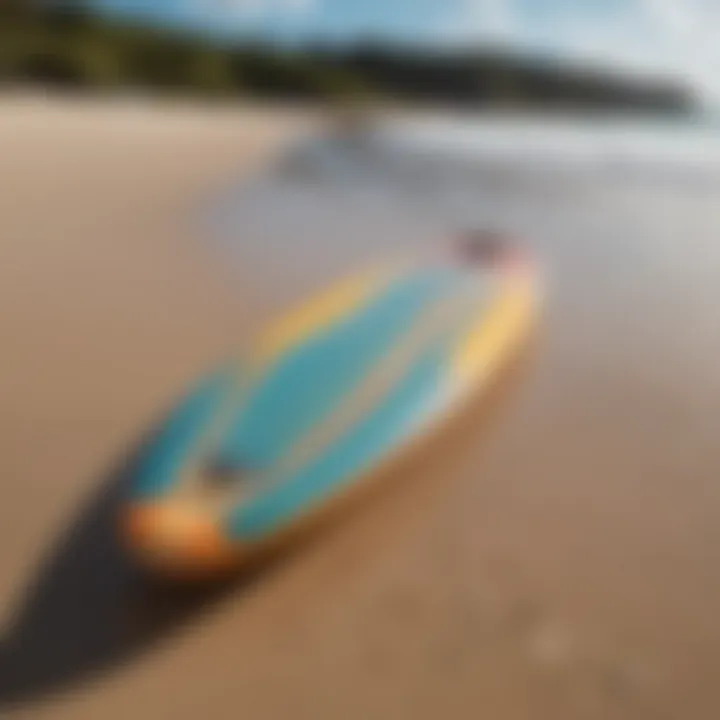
(676, 37)
(253, 8)
(687, 36)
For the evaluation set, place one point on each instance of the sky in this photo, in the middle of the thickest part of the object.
(677, 37)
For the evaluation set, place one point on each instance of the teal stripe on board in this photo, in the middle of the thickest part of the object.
(409, 405)
(311, 381)
(162, 466)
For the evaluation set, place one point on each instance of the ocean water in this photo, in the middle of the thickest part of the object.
(561, 142)
(411, 180)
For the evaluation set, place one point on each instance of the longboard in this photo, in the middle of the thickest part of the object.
(321, 400)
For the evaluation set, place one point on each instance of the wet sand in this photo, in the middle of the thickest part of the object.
(553, 554)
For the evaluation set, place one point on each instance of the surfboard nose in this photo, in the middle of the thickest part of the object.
(176, 538)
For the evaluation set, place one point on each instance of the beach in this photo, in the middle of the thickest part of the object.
(552, 554)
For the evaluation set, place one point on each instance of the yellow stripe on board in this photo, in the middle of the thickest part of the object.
(369, 394)
(320, 312)
(495, 330)
(316, 314)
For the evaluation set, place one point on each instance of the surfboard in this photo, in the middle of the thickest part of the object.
(322, 400)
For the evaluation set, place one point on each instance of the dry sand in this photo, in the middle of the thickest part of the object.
(553, 555)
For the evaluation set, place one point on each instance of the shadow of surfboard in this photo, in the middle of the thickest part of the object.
(89, 609)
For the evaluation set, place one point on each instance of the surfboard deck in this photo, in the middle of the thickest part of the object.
(320, 402)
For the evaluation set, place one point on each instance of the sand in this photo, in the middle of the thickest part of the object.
(552, 555)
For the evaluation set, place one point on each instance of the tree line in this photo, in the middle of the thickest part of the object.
(71, 45)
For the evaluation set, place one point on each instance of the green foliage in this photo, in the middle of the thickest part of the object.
(211, 72)
(65, 43)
